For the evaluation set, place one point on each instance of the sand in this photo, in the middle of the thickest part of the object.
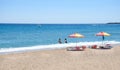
(90, 59)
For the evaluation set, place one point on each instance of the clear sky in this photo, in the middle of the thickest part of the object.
(59, 11)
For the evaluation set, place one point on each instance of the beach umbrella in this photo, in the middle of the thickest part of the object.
(76, 35)
(103, 34)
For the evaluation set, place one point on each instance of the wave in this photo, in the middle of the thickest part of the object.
(55, 46)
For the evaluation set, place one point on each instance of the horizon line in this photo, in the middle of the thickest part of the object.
(46, 23)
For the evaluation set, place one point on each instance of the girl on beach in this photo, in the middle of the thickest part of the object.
(59, 41)
(65, 40)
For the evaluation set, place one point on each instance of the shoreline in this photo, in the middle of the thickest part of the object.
(53, 46)
(61, 59)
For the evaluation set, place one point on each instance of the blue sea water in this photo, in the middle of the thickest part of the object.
(27, 35)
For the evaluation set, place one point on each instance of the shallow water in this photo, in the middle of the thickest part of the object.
(41, 36)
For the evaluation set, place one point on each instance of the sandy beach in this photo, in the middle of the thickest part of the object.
(90, 59)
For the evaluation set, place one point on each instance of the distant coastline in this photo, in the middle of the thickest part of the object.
(114, 23)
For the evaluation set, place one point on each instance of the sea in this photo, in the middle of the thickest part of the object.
(29, 37)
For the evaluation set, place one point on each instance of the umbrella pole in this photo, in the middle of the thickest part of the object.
(102, 40)
(76, 43)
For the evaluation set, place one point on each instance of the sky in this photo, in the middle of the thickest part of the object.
(59, 11)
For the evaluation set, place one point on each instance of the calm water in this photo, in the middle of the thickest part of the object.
(25, 35)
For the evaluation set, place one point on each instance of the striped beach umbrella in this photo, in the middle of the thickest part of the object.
(76, 35)
(102, 34)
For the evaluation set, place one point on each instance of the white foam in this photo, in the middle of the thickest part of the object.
(54, 46)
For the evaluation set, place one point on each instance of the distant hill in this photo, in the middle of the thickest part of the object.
(114, 23)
